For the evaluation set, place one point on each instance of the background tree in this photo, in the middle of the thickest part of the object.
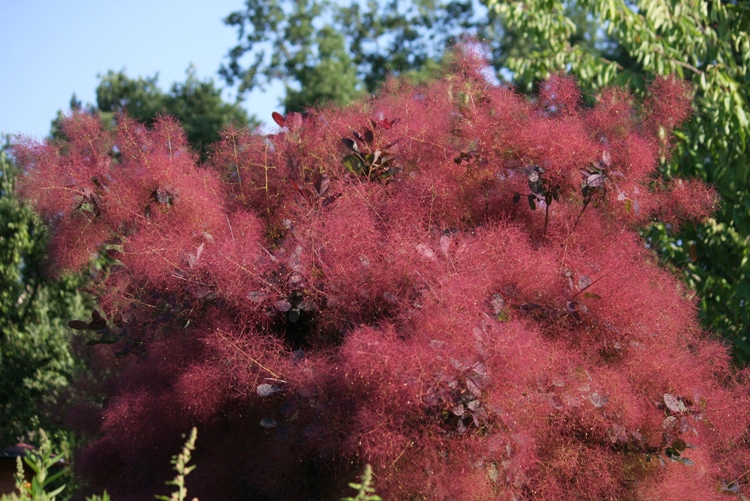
(367, 287)
(197, 104)
(329, 53)
(601, 42)
(36, 362)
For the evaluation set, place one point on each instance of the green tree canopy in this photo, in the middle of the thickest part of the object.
(36, 363)
(197, 104)
(326, 52)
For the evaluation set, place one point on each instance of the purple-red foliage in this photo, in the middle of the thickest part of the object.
(445, 281)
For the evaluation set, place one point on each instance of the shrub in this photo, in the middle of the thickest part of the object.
(445, 282)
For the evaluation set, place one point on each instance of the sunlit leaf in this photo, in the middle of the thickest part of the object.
(669, 422)
(674, 404)
(461, 427)
(266, 390)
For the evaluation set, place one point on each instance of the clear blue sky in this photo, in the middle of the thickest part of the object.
(54, 48)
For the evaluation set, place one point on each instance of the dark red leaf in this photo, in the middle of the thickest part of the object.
(387, 124)
(279, 119)
(303, 190)
(369, 136)
(349, 143)
(96, 325)
(78, 325)
(321, 183)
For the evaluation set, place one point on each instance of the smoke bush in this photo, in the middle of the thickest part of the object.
(445, 282)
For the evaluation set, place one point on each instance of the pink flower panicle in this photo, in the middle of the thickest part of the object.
(444, 281)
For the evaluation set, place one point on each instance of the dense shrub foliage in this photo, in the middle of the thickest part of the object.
(445, 282)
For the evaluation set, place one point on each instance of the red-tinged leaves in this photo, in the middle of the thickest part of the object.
(306, 193)
(279, 119)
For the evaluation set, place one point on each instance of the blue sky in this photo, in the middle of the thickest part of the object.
(52, 49)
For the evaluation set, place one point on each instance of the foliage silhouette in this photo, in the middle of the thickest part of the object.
(466, 346)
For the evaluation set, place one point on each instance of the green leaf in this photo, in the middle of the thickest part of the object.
(354, 164)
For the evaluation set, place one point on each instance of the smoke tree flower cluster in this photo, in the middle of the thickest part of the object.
(445, 282)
